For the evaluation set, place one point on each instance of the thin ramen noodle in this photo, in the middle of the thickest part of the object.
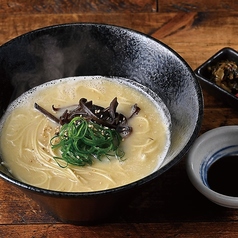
(25, 136)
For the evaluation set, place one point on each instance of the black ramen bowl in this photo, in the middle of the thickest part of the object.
(95, 49)
(204, 74)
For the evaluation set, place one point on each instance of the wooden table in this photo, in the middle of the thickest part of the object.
(170, 206)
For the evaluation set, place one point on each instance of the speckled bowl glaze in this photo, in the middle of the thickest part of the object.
(94, 49)
(204, 75)
(207, 149)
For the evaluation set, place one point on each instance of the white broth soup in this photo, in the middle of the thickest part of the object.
(26, 134)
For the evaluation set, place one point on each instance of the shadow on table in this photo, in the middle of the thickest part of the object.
(172, 198)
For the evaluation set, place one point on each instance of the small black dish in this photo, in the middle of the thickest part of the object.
(204, 75)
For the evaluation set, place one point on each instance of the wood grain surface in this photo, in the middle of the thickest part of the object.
(170, 206)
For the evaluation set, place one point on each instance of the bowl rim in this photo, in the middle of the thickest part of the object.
(194, 172)
(146, 179)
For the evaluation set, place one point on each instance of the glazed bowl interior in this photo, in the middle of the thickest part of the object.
(94, 49)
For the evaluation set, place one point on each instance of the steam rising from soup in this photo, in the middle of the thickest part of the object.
(26, 133)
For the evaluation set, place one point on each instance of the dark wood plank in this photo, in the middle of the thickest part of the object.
(196, 36)
(216, 117)
(110, 6)
(131, 230)
(17, 208)
(76, 6)
(15, 25)
(196, 6)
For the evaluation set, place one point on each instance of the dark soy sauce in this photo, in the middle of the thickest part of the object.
(222, 176)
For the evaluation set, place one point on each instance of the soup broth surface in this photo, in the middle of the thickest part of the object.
(26, 133)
